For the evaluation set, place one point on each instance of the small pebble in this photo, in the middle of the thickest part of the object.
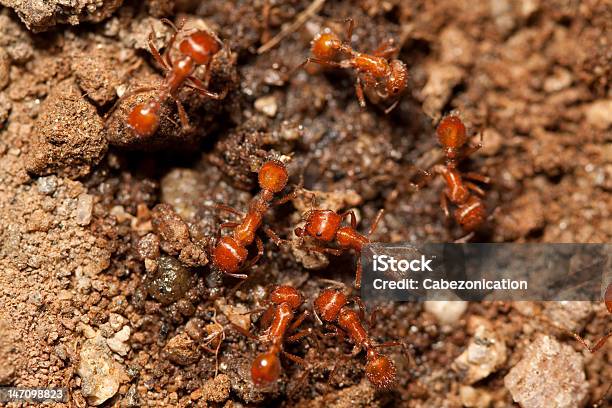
(84, 209)
(445, 311)
(267, 105)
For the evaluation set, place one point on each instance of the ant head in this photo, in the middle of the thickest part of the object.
(229, 255)
(380, 370)
(200, 46)
(286, 294)
(608, 298)
(273, 176)
(326, 45)
(328, 304)
(451, 132)
(323, 224)
(398, 80)
(265, 369)
(144, 118)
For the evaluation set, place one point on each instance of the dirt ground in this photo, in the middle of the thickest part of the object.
(108, 295)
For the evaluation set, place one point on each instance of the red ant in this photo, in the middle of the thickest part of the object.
(599, 344)
(230, 252)
(324, 225)
(471, 211)
(381, 78)
(331, 307)
(198, 48)
(279, 317)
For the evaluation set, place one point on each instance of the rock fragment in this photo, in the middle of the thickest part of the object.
(67, 135)
(171, 228)
(446, 311)
(96, 75)
(101, 375)
(182, 350)
(217, 389)
(41, 15)
(442, 79)
(486, 352)
(118, 343)
(170, 281)
(550, 374)
(84, 209)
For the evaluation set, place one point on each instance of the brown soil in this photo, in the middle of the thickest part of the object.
(84, 251)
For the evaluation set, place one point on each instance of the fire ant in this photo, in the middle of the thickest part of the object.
(331, 306)
(279, 317)
(381, 77)
(324, 225)
(599, 344)
(471, 211)
(198, 48)
(230, 253)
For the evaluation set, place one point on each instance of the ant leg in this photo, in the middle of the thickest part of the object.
(260, 251)
(228, 225)
(474, 188)
(319, 61)
(390, 108)
(597, 345)
(229, 209)
(291, 196)
(298, 321)
(172, 25)
(477, 177)
(182, 115)
(225, 225)
(470, 150)
(377, 219)
(349, 29)
(386, 49)
(358, 272)
(323, 250)
(267, 317)
(170, 44)
(351, 215)
(243, 331)
(156, 55)
(272, 235)
(299, 335)
(359, 91)
(236, 275)
(464, 239)
(444, 204)
(265, 12)
(201, 88)
(295, 359)
(362, 308)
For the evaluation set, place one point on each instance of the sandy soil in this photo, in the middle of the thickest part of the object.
(113, 299)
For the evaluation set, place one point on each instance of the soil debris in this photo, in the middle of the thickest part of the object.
(550, 374)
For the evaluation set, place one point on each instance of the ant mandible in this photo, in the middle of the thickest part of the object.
(324, 225)
(376, 73)
(471, 211)
(599, 344)
(230, 252)
(196, 49)
(332, 307)
(280, 319)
